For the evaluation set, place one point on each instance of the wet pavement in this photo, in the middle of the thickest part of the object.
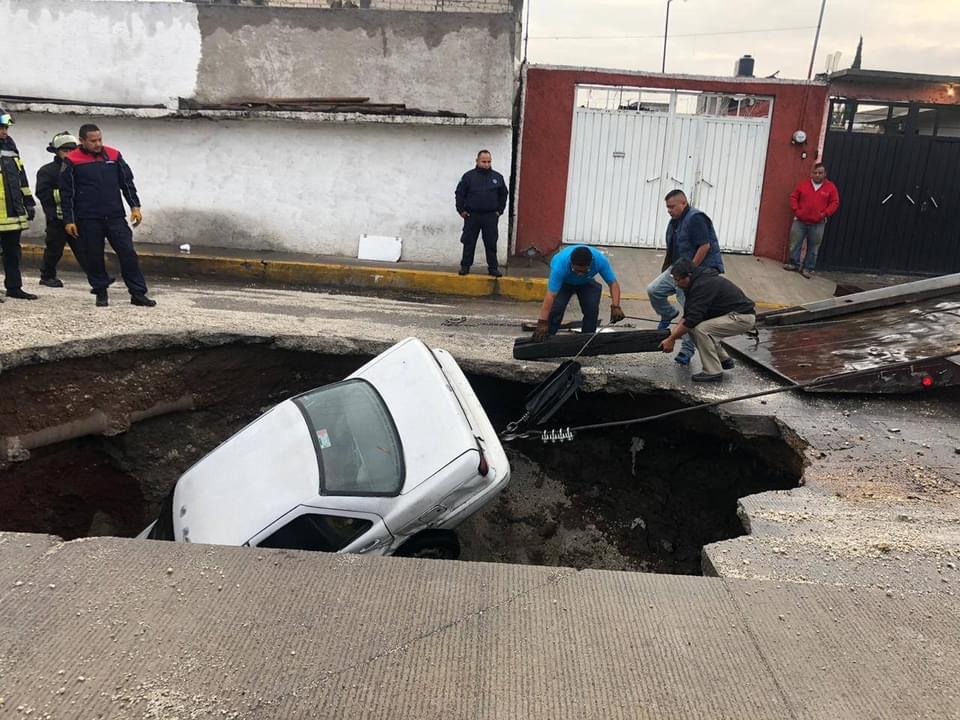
(877, 521)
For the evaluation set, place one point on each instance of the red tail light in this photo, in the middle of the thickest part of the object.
(926, 381)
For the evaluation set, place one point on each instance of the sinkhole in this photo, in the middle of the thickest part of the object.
(94, 445)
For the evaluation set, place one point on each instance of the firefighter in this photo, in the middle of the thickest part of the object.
(94, 182)
(48, 192)
(17, 209)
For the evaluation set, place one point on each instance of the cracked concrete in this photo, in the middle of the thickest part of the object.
(777, 636)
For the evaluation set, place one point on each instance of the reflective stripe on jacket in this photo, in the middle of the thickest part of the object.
(15, 195)
(48, 189)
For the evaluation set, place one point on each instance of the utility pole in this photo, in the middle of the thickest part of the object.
(666, 28)
(526, 31)
(816, 39)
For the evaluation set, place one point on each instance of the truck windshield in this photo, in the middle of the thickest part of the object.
(356, 440)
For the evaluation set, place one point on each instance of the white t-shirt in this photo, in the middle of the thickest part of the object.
(816, 186)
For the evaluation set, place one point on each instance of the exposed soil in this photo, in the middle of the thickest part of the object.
(589, 503)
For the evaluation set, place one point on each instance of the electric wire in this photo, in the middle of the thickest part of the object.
(567, 433)
(660, 35)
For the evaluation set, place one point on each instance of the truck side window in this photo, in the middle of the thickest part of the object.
(327, 533)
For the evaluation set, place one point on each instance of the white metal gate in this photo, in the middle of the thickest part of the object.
(626, 155)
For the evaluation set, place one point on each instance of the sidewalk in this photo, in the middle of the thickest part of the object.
(762, 279)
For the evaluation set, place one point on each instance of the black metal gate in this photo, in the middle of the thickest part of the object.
(897, 168)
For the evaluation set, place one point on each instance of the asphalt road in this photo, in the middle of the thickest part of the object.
(841, 602)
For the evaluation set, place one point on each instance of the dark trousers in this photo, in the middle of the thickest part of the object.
(589, 296)
(10, 245)
(473, 225)
(93, 231)
(55, 240)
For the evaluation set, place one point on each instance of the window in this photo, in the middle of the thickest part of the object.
(326, 533)
(356, 441)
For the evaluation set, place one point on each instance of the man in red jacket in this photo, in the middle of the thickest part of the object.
(813, 202)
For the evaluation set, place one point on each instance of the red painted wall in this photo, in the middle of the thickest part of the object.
(548, 124)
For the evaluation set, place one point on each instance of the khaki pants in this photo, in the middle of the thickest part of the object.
(707, 336)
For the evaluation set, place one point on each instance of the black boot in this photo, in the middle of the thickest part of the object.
(102, 299)
(142, 301)
(53, 282)
(19, 294)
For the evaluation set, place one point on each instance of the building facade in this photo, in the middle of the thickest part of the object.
(281, 124)
(600, 149)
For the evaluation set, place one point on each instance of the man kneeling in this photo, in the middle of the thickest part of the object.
(715, 308)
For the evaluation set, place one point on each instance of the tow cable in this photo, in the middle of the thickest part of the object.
(542, 402)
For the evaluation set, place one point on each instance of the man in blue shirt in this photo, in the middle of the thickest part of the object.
(690, 235)
(571, 273)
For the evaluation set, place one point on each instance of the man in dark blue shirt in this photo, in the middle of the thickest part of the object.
(481, 199)
(690, 235)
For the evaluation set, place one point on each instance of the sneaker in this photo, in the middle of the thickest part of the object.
(664, 324)
(707, 377)
(807, 273)
(20, 294)
(728, 364)
(142, 301)
(683, 358)
(494, 273)
(53, 282)
(790, 267)
(463, 270)
(102, 299)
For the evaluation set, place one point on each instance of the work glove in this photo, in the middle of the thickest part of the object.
(616, 314)
(71, 230)
(31, 212)
(540, 334)
(135, 217)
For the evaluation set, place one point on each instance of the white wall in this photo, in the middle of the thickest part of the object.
(135, 52)
(123, 52)
(289, 186)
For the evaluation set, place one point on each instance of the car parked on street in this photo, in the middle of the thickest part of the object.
(387, 462)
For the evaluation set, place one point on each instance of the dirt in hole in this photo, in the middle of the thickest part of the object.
(590, 503)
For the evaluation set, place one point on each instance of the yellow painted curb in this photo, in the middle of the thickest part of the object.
(306, 274)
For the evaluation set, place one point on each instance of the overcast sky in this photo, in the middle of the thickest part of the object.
(908, 35)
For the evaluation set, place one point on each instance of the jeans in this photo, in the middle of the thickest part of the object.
(813, 234)
(10, 244)
(118, 234)
(659, 291)
(473, 225)
(589, 296)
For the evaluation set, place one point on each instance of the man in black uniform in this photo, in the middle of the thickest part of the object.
(48, 192)
(481, 199)
(93, 185)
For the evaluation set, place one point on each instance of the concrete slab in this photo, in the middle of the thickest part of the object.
(122, 629)
(18, 550)
(801, 536)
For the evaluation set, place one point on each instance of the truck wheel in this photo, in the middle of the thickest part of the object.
(431, 544)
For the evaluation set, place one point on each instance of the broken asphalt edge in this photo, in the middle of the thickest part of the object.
(301, 274)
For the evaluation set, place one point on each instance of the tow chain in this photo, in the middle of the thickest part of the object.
(463, 321)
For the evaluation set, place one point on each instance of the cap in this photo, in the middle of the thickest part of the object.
(62, 141)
